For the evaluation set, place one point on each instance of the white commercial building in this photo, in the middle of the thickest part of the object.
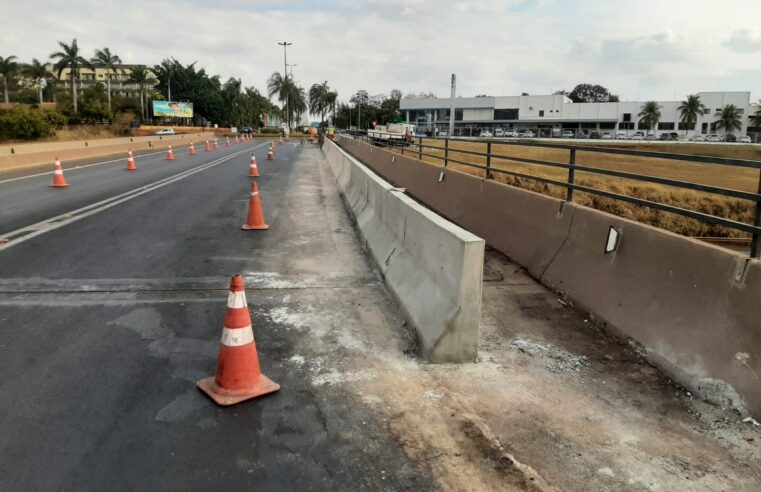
(552, 115)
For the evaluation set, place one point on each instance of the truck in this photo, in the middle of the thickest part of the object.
(395, 132)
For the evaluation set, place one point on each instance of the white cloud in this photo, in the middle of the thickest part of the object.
(654, 50)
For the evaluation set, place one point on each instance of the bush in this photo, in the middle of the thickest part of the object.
(23, 123)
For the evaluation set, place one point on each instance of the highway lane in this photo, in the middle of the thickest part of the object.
(106, 323)
(24, 201)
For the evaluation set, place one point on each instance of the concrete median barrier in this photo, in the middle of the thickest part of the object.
(692, 308)
(433, 267)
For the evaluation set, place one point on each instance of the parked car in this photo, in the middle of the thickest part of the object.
(568, 134)
(526, 134)
(594, 134)
(486, 134)
(607, 136)
(510, 133)
(247, 130)
(669, 136)
(746, 139)
(730, 138)
(621, 135)
(164, 131)
(637, 136)
(443, 133)
(713, 137)
(499, 132)
(697, 138)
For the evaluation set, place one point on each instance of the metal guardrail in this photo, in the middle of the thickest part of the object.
(415, 147)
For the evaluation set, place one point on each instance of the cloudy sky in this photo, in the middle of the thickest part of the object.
(644, 49)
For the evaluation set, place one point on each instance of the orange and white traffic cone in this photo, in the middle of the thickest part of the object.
(270, 155)
(59, 181)
(130, 162)
(216, 144)
(227, 141)
(169, 154)
(237, 142)
(255, 215)
(253, 171)
(192, 150)
(208, 147)
(238, 376)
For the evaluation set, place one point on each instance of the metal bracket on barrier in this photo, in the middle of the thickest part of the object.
(403, 190)
(393, 158)
(441, 176)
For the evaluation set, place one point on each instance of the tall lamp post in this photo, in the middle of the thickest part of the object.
(285, 44)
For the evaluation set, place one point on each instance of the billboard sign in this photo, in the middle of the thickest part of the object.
(173, 109)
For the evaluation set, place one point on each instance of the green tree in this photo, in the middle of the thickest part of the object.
(650, 114)
(8, 68)
(189, 84)
(729, 118)
(39, 73)
(282, 87)
(111, 61)
(756, 117)
(320, 99)
(70, 58)
(591, 93)
(689, 110)
(142, 77)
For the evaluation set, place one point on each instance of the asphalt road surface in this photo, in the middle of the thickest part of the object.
(111, 311)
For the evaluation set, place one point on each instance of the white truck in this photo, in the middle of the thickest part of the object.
(393, 131)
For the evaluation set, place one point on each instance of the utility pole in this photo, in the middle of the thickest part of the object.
(451, 106)
(285, 44)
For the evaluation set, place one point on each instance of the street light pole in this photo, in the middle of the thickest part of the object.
(285, 44)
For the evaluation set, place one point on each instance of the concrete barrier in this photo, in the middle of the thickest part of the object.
(24, 155)
(433, 267)
(693, 308)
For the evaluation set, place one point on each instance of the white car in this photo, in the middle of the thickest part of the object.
(165, 131)
(621, 136)
(510, 133)
(637, 136)
(499, 132)
(568, 134)
(485, 134)
(713, 137)
(526, 134)
(607, 136)
(697, 138)
(745, 139)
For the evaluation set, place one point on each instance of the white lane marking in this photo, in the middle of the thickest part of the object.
(53, 223)
(235, 337)
(236, 300)
(68, 169)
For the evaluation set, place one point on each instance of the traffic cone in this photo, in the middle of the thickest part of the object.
(253, 171)
(238, 376)
(208, 147)
(227, 141)
(255, 215)
(59, 181)
(270, 155)
(169, 154)
(216, 144)
(192, 149)
(237, 142)
(130, 162)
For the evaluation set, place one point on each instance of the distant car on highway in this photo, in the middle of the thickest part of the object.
(568, 134)
(247, 130)
(746, 139)
(637, 136)
(164, 131)
(697, 138)
(713, 137)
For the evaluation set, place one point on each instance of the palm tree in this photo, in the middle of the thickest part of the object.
(38, 72)
(277, 84)
(297, 102)
(8, 68)
(330, 100)
(110, 61)
(70, 58)
(689, 110)
(318, 99)
(142, 77)
(729, 118)
(650, 114)
(756, 118)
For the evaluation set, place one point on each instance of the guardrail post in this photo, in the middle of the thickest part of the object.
(420, 148)
(571, 174)
(488, 160)
(446, 151)
(755, 246)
